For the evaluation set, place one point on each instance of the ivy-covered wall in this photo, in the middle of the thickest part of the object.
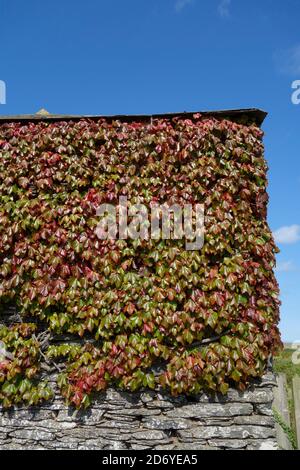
(148, 313)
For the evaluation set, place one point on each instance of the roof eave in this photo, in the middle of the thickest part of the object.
(257, 115)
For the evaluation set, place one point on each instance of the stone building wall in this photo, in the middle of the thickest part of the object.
(150, 420)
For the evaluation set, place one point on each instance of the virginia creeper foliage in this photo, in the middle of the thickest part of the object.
(143, 308)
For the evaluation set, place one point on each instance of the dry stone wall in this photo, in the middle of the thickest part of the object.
(149, 420)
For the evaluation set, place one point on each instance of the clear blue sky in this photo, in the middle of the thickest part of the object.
(141, 56)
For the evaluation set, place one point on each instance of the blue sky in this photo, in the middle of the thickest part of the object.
(141, 56)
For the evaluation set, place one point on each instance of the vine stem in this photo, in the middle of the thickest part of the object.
(205, 341)
(45, 357)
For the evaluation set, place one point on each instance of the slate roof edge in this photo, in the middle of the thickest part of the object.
(256, 114)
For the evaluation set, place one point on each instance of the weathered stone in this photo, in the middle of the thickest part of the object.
(227, 432)
(263, 444)
(218, 421)
(185, 446)
(120, 398)
(88, 446)
(42, 425)
(91, 416)
(50, 406)
(268, 380)
(134, 412)
(255, 420)
(251, 396)
(68, 444)
(13, 422)
(147, 397)
(228, 444)
(165, 423)
(115, 445)
(160, 404)
(122, 418)
(121, 426)
(211, 409)
(264, 409)
(139, 447)
(151, 435)
(170, 446)
(30, 414)
(18, 446)
(193, 446)
(90, 432)
(179, 400)
(32, 434)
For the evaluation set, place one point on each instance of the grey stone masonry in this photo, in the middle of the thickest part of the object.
(147, 420)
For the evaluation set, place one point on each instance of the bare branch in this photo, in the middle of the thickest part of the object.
(205, 341)
(47, 361)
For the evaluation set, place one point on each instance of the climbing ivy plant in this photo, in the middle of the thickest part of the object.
(148, 313)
